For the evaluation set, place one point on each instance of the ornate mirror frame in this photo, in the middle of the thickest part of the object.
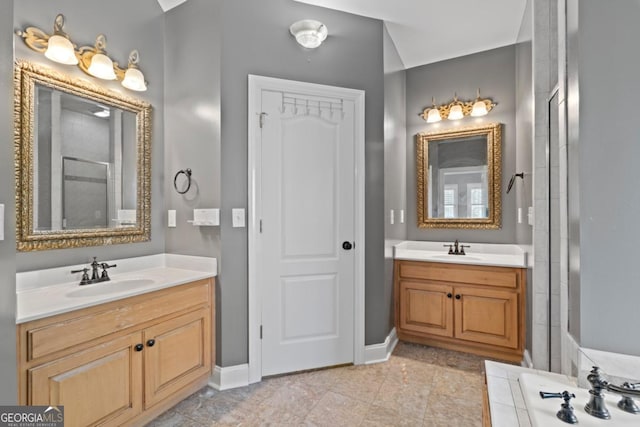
(493, 133)
(26, 76)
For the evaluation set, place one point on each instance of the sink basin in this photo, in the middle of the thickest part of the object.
(542, 412)
(104, 288)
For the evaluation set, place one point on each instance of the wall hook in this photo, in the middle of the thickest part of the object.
(187, 173)
(513, 180)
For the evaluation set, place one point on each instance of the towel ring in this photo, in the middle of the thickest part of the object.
(187, 173)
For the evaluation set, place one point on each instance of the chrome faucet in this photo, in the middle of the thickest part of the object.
(459, 249)
(596, 406)
(96, 276)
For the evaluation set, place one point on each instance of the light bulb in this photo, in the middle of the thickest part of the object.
(60, 50)
(102, 67)
(134, 80)
(479, 109)
(455, 113)
(433, 115)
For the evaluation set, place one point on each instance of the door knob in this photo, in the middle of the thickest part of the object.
(347, 246)
(151, 342)
(139, 347)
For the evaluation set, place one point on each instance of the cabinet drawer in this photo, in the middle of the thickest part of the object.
(67, 330)
(456, 273)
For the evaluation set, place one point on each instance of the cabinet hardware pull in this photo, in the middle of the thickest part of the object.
(151, 342)
(449, 295)
(458, 297)
(139, 347)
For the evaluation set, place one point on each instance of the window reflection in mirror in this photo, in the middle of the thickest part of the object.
(459, 174)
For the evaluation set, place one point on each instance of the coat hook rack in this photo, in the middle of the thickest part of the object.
(187, 174)
(513, 180)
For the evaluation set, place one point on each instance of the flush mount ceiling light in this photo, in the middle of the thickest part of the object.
(309, 33)
(458, 109)
(93, 60)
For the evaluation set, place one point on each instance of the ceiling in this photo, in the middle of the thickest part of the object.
(426, 31)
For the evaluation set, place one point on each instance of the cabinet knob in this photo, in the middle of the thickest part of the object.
(458, 297)
(449, 295)
(151, 342)
(139, 347)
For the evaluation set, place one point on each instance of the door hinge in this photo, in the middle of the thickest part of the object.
(260, 331)
(262, 119)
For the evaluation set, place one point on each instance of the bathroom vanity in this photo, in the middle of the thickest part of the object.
(473, 303)
(120, 352)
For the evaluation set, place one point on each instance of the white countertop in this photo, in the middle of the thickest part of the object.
(499, 255)
(44, 293)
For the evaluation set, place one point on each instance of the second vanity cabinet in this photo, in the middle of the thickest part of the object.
(123, 362)
(478, 309)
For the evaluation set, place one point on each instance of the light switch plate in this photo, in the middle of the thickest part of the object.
(1, 221)
(237, 215)
(171, 218)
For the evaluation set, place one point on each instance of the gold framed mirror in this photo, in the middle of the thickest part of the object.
(459, 178)
(82, 162)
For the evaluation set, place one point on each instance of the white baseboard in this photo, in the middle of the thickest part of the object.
(230, 377)
(376, 353)
(526, 360)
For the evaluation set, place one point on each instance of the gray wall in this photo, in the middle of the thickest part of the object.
(8, 379)
(492, 71)
(395, 166)
(257, 41)
(608, 158)
(524, 151)
(142, 28)
(192, 122)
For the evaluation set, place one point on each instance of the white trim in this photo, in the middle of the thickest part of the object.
(526, 360)
(230, 377)
(377, 353)
(256, 84)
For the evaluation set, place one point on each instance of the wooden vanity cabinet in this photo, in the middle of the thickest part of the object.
(155, 350)
(477, 309)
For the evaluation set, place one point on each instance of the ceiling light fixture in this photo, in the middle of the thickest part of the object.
(458, 109)
(93, 60)
(309, 33)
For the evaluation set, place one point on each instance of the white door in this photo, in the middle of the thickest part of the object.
(306, 262)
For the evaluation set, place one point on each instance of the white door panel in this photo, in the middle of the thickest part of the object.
(307, 195)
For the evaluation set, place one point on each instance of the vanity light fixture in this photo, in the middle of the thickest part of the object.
(100, 65)
(93, 60)
(480, 107)
(433, 115)
(458, 109)
(455, 109)
(309, 33)
(59, 47)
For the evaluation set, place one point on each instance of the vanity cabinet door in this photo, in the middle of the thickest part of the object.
(426, 308)
(100, 385)
(177, 352)
(486, 316)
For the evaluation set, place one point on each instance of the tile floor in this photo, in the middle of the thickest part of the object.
(418, 386)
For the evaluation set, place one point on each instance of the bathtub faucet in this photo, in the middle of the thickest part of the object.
(596, 406)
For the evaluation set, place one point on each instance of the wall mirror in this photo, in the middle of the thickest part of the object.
(459, 176)
(83, 162)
